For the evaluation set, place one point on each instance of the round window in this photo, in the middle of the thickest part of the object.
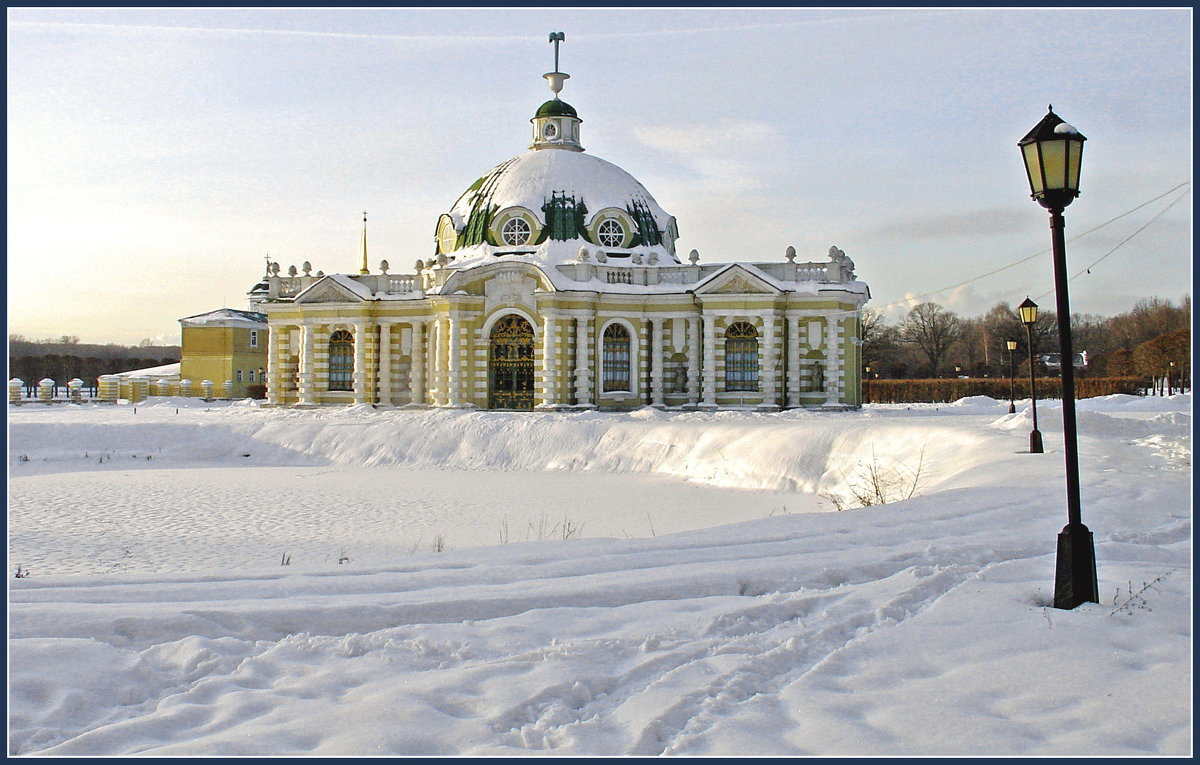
(515, 232)
(549, 131)
(611, 233)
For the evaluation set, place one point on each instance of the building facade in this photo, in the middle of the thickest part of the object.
(227, 348)
(554, 284)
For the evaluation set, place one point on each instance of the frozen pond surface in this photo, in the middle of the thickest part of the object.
(197, 519)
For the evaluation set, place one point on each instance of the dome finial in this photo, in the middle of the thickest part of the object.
(556, 78)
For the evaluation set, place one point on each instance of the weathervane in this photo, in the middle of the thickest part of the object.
(556, 78)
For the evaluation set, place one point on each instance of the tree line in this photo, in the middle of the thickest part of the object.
(1152, 340)
(64, 358)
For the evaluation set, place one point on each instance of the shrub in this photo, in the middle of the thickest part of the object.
(947, 390)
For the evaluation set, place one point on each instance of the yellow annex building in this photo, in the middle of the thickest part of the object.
(554, 284)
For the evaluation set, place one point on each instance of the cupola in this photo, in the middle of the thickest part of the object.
(556, 123)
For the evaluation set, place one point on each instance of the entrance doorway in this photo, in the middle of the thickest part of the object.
(510, 364)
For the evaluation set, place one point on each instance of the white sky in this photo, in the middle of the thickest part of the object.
(156, 156)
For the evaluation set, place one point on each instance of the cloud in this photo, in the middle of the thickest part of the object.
(965, 224)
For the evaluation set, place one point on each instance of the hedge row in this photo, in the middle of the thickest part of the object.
(944, 391)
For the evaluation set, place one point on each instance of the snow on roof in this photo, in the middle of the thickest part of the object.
(531, 179)
(166, 370)
(225, 316)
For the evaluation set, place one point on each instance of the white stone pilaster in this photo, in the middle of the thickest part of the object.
(434, 356)
(694, 371)
(454, 367)
(583, 374)
(549, 370)
(307, 359)
(833, 351)
(416, 367)
(360, 363)
(274, 394)
(656, 363)
(710, 360)
(768, 361)
(385, 363)
(793, 365)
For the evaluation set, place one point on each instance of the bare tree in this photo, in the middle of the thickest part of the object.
(931, 329)
(880, 341)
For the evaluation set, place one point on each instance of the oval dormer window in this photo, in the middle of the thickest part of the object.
(611, 233)
(549, 131)
(515, 232)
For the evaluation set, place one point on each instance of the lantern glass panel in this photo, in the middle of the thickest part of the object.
(1054, 163)
(1034, 167)
(1074, 156)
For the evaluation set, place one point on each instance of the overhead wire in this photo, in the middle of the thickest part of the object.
(1072, 239)
(1123, 242)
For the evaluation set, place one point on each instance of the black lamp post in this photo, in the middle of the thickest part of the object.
(1028, 311)
(1053, 151)
(1012, 377)
(867, 397)
(1170, 374)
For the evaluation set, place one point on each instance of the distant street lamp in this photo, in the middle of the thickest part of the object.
(1012, 377)
(1053, 152)
(867, 395)
(1028, 311)
(1170, 374)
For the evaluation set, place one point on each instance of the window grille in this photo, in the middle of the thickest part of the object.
(611, 233)
(616, 358)
(741, 357)
(341, 361)
(516, 232)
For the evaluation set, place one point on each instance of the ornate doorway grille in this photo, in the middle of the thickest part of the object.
(510, 365)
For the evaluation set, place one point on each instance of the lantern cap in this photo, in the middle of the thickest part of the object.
(1051, 128)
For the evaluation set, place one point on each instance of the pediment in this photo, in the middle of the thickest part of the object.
(501, 282)
(736, 280)
(328, 290)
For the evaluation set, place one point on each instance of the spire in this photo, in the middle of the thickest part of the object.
(556, 78)
(363, 246)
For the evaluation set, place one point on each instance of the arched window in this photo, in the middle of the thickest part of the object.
(616, 358)
(741, 357)
(341, 360)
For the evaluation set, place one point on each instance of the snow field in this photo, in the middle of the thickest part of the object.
(919, 628)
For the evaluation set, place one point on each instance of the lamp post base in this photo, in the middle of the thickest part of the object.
(1035, 442)
(1075, 571)
(1012, 408)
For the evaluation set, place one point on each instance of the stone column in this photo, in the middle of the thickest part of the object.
(274, 394)
(656, 363)
(694, 371)
(793, 366)
(549, 370)
(307, 358)
(583, 374)
(454, 365)
(385, 363)
(710, 361)
(360, 363)
(416, 368)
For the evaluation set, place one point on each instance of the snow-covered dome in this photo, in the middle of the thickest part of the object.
(548, 203)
